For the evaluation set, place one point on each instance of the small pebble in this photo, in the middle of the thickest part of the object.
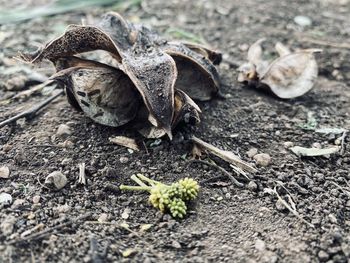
(260, 245)
(280, 206)
(7, 225)
(175, 244)
(63, 130)
(5, 199)
(303, 21)
(18, 203)
(126, 213)
(4, 172)
(332, 218)
(102, 218)
(252, 186)
(262, 159)
(323, 255)
(252, 152)
(288, 144)
(56, 179)
(36, 199)
(124, 159)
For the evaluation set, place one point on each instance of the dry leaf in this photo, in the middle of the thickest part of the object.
(282, 50)
(125, 141)
(292, 75)
(302, 151)
(289, 76)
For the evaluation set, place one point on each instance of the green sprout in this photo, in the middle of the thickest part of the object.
(167, 198)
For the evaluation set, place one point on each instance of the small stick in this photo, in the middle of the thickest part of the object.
(325, 43)
(225, 155)
(28, 114)
(82, 178)
(293, 211)
(43, 233)
(342, 146)
(230, 176)
(34, 89)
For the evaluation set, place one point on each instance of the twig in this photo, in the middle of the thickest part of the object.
(82, 178)
(342, 145)
(43, 233)
(320, 42)
(341, 188)
(32, 90)
(230, 176)
(30, 113)
(225, 155)
(293, 211)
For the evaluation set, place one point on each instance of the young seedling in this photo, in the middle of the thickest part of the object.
(167, 198)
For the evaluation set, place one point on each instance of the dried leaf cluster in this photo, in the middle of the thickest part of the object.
(143, 79)
(289, 76)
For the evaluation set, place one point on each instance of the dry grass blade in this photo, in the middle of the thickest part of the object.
(225, 155)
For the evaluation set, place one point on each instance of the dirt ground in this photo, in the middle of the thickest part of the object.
(226, 223)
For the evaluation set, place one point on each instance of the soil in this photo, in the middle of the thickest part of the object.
(226, 223)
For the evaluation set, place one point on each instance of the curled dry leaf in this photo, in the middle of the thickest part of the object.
(289, 76)
(150, 79)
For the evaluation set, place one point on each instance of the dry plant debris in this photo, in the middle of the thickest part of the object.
(227, 156)
(167, 198)
(302, 151)
(142, 78)
(291, 75)
(125, 141)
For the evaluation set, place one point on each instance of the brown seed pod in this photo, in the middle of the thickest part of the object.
(147, 71)
(289, 76)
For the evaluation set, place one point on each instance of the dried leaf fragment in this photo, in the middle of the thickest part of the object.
(125, 141)
(302, 151)
(291, 75)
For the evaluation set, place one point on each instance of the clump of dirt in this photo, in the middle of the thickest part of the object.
(96, 222)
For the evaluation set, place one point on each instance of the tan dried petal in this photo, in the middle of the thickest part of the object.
(281, 49)
(292, 75)
(255, 52)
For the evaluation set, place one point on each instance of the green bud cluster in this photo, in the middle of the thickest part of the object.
(189, 188)
(177, 208)
(168, 198)
(159, 197)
